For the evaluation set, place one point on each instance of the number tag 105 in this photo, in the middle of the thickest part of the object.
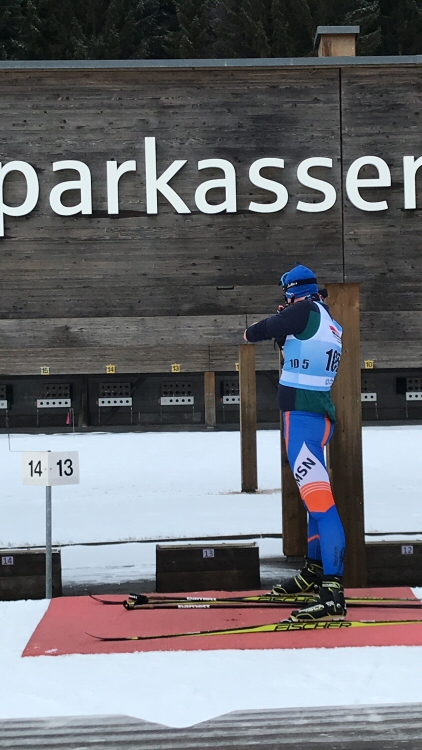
(47, 469)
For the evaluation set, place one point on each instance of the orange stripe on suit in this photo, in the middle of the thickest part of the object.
(317, 496)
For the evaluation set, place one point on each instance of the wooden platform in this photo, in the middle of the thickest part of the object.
(64, 627)
(394, 563)
(22, 574)
(375, 727)
(200, 567)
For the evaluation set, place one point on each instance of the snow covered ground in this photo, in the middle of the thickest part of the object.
(142, 486)
(184, 688)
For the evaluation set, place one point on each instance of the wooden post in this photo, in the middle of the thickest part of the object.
(84, 416)
(294, 515)
(345, 448)
(209, 399)
(247, 390)
(293, 511)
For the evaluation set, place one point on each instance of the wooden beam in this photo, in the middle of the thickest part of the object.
(247, 390)
(293, 511)
(345, 449)
(84, 415)
(209, 399)
(79, 333)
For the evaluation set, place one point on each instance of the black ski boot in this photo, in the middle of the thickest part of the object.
(306, 581)
(330, 604)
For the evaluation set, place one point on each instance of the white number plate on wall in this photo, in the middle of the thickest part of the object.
(407, 549)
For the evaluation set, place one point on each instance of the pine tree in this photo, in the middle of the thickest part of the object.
(194, 37)
(401, 27)
(137, 29)
(367, 16)
(267, 28)
(96, 29)
(11, 20)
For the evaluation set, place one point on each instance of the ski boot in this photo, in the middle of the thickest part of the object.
(330, 604)
(306, 581)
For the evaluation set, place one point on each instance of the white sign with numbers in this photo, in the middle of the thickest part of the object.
(46, 469)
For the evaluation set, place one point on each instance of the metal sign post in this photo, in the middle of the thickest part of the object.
(45, 468)
(48, 546)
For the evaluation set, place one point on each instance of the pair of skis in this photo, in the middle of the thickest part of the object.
(154, 601)
(264, 600)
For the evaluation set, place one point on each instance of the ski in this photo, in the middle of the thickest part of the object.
(193, 603)
(143, 601)
(275, 627)
(106, 601)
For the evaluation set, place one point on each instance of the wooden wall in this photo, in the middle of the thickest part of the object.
(381, 114)
(143, 292)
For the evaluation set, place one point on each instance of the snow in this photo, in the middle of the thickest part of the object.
(142, 486)
(393, 478)
(183, 688)
(157, 486)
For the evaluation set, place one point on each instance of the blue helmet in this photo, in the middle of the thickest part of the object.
(299, 282)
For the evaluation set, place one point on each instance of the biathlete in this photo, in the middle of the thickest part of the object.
(311, 343)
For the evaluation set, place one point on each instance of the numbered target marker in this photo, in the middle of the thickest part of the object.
(45, 468)
(63, 468)
(35, 468)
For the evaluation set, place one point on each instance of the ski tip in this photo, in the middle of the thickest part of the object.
(101, 600)
(91, 635)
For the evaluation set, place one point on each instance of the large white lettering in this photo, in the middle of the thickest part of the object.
(277, 199)
(228, 183)
(328, 191)
(155, 185)
(114, 174)
(354, 183)
(272, 186)
(32, 191)
(83, 184)
(410, 167)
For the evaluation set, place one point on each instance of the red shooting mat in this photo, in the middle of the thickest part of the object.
(64, 627)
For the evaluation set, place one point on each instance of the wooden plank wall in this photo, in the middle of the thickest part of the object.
(77, 292)
(143, 292)
(381, 113)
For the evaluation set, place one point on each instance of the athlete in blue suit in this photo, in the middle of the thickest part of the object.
(311, 343)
